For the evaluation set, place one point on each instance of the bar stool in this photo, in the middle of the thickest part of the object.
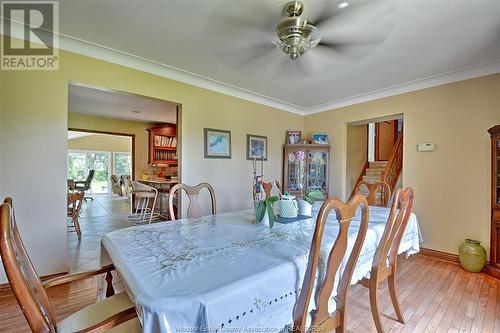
(143, 194)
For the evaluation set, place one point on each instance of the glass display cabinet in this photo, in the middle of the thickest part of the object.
(494, 266)
(305, 168)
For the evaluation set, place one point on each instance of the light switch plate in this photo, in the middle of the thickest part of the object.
(428, 146)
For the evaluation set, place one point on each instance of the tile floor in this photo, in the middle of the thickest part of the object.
(106, 213)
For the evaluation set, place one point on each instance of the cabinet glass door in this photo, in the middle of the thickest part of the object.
(317, 170)
(497, 178)
(296, 166)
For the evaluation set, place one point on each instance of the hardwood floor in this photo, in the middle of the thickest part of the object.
(436, 296)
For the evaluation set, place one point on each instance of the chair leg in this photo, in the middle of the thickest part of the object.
(152, 209)
(374, 306)
(144, 212)
(109, 285)
(77, 227)
(391, 281)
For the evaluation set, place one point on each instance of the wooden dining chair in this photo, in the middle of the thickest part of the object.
(75, 202)
(266, 187)
(194, 209)
(116, 312)
(377, 194)
(384, 266)
(321, 319)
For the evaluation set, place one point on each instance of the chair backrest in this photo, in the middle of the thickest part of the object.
(194, 209)
(377, 194)
(322, 320)
(21, 274)
(399, 216)
(114, 180)
(127, 185)
(75, 202)
(90, 177)
(266, 187)
(138, 186)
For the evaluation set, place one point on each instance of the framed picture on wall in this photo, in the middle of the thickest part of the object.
(293, 137)
(217, 143)
(320, 138)
(256, 147)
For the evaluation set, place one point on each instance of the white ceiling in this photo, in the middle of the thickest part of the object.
(75, 135)
(214, 40)
(119, 105)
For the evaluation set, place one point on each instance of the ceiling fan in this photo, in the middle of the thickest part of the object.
(312, 35)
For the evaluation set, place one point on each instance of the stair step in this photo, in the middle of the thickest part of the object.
(371, 179)
(378, 165)
(374, 172)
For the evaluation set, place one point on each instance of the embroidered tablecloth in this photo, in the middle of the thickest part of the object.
(225, 273)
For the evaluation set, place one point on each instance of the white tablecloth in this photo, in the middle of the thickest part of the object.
(224, 272)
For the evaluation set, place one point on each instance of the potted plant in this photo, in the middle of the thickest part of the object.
(264, 211)
(305, 205)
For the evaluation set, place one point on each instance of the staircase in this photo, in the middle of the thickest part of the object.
(374, 172)
(387, 171)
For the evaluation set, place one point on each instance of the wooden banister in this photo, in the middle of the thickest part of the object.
(360, 178)
(394, 166)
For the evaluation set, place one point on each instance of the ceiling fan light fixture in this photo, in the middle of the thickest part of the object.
(295, 35)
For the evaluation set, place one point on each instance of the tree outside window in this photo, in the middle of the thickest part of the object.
(122, 164)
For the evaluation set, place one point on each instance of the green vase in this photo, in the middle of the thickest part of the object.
(472, 255)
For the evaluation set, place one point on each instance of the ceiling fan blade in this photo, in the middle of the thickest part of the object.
(233, 19)
(358, 13)
(339, 47)
(314, 62)
(256, 56)
(355, 37)
(327, 11)
(345, 51)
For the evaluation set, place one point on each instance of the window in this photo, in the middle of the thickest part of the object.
(80, 162)
(122, 164)
(371, 142)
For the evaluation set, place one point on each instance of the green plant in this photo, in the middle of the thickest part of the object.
(313, 196)
(266, 206)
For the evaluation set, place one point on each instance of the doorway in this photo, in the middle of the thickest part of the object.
(382, 137)
(370, 145)
(106, 114)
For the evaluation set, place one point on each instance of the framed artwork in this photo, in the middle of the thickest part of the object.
(256, 147)
(293, 137)
(217, 143)
(320, 138)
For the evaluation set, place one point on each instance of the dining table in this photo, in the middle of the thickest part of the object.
(225, 272)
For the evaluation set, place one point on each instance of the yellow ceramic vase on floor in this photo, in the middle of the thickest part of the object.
(472, 255)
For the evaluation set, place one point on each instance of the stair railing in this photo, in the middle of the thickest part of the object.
(394, 166)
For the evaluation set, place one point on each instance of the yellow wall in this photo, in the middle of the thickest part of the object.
(356, 154)
(84, 121)
(452, 184)
(101, 143)
(34, 136)
(1, 148)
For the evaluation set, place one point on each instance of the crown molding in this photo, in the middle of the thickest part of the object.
(118, 57)
(484, 69)
(129, 60)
